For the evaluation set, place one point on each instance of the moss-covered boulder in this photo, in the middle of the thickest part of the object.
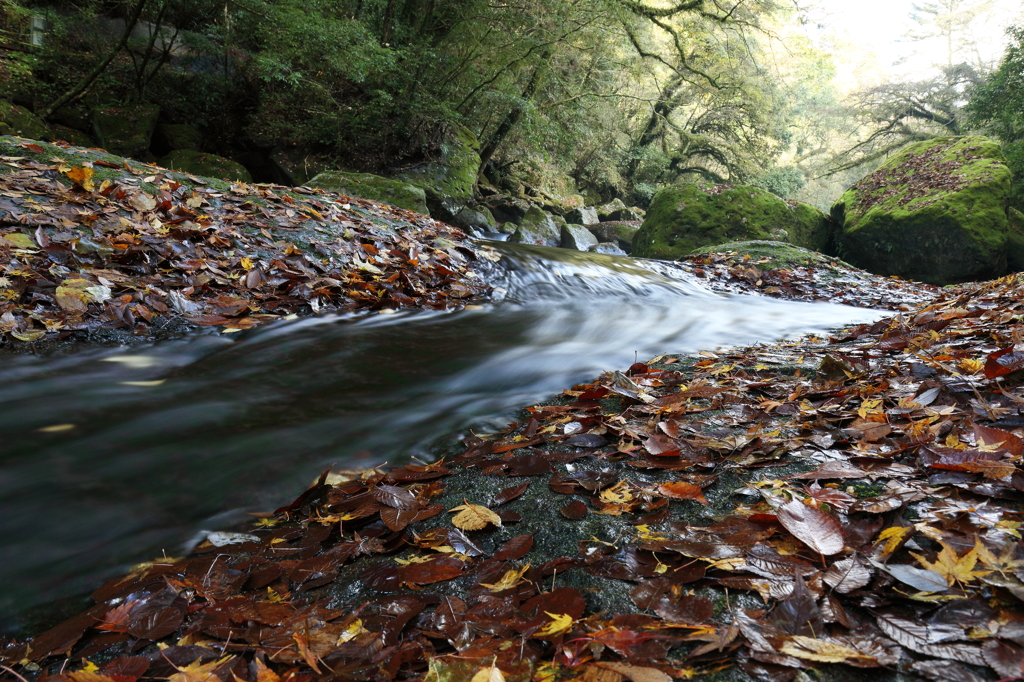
(374, 187)
(606, 211)
(293, 165)
(173, 136)
(125, 131)
(780, 254)
(539, 228)
(577, 237)
(685, 217)
(1015, 241)
(201, 163)
(448, 182)
(935, 212)
(22, 122)
(71, 136)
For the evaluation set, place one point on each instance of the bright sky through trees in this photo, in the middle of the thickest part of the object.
(882, 27)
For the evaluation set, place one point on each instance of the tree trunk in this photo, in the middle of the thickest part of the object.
(84, 84)
(506, 126)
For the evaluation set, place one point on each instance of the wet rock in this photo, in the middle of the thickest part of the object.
(297, 165)
(935, 212)
(586, 215)
(577, 237)
(537, 227)
(468, 218)
(608, 249)
(201, 163)
(125, 131)
(606, 211)
(448, 182)
(171, 136)
(626, 214)
(72, 136)
(373, 187)
(507, 209)
(1015, 241)
(683, 218)
(22, 122)
(621, 233)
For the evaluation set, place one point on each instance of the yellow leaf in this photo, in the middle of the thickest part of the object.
(491, 674)
(199, 672)
(618, 493)
(952, 567)
(811, 649)
(352, 631)
(263, 673)
(560, 622)
(75, 295)
(473, 517)
(970, 366)
(893, 538)
(82, 177)
(511, 578)
(29, 336)
(19, 240)
(247, 263)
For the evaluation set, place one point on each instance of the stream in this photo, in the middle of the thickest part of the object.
(109, 456)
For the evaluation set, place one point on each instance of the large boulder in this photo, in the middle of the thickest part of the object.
(621, 233)
(625, 214)
(374, 187)
(577, 237)
(201, 163)
(125, 131)
(506, 209)
(468, 219)
(607, 249)
(448, 182)
(294, 165)
(685, 217)
(585, 215)
(606, 211)
(539, 228)
(935, 212)
(15, 120)
(173, 136)
(1015, 241)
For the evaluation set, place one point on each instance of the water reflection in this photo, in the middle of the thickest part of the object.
(147, 445)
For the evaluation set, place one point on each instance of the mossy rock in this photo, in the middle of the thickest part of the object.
(1015, 241)
(577, 237)
(782, 255)
(935, 212)
(537, 227)
(179, 136)
(201, 163)
(683, 218)
(23, 122)
(297, 165)
(72, 136)
(449, 181)
(125, 131)
(374, 187)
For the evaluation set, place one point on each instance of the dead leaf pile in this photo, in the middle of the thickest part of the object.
(146, 246)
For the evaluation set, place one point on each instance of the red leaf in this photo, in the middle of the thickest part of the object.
(574, 511)
(396, 497)
(680, 490)
(509, 494)
(1002, 362)
(435, 571)
(516, 548)
(820, 531)
(992, 436)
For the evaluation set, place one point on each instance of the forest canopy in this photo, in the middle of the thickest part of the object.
(618, 96)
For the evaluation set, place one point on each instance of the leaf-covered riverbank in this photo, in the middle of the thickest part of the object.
(842, 505)
(93, 244)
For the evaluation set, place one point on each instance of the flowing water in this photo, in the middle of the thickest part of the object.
(108, 457)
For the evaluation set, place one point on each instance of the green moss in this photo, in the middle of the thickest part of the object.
(125, 131)
(23, 122)
(936, 212)
(449, 182)
(782, 255)
(201, 163)
(1015, 241)
(683, 218)
(374, 187)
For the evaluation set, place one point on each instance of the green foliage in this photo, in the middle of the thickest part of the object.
(782, 181)
(997, 107)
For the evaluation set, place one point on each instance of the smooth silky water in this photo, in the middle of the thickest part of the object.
(183, 436)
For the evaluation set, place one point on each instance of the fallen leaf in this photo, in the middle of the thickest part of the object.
(473, 517)
(820, 531)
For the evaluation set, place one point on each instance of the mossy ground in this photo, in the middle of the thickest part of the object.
(936, 213)
(683, 218)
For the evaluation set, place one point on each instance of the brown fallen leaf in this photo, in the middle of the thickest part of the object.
(820, 531)
(473, 517)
